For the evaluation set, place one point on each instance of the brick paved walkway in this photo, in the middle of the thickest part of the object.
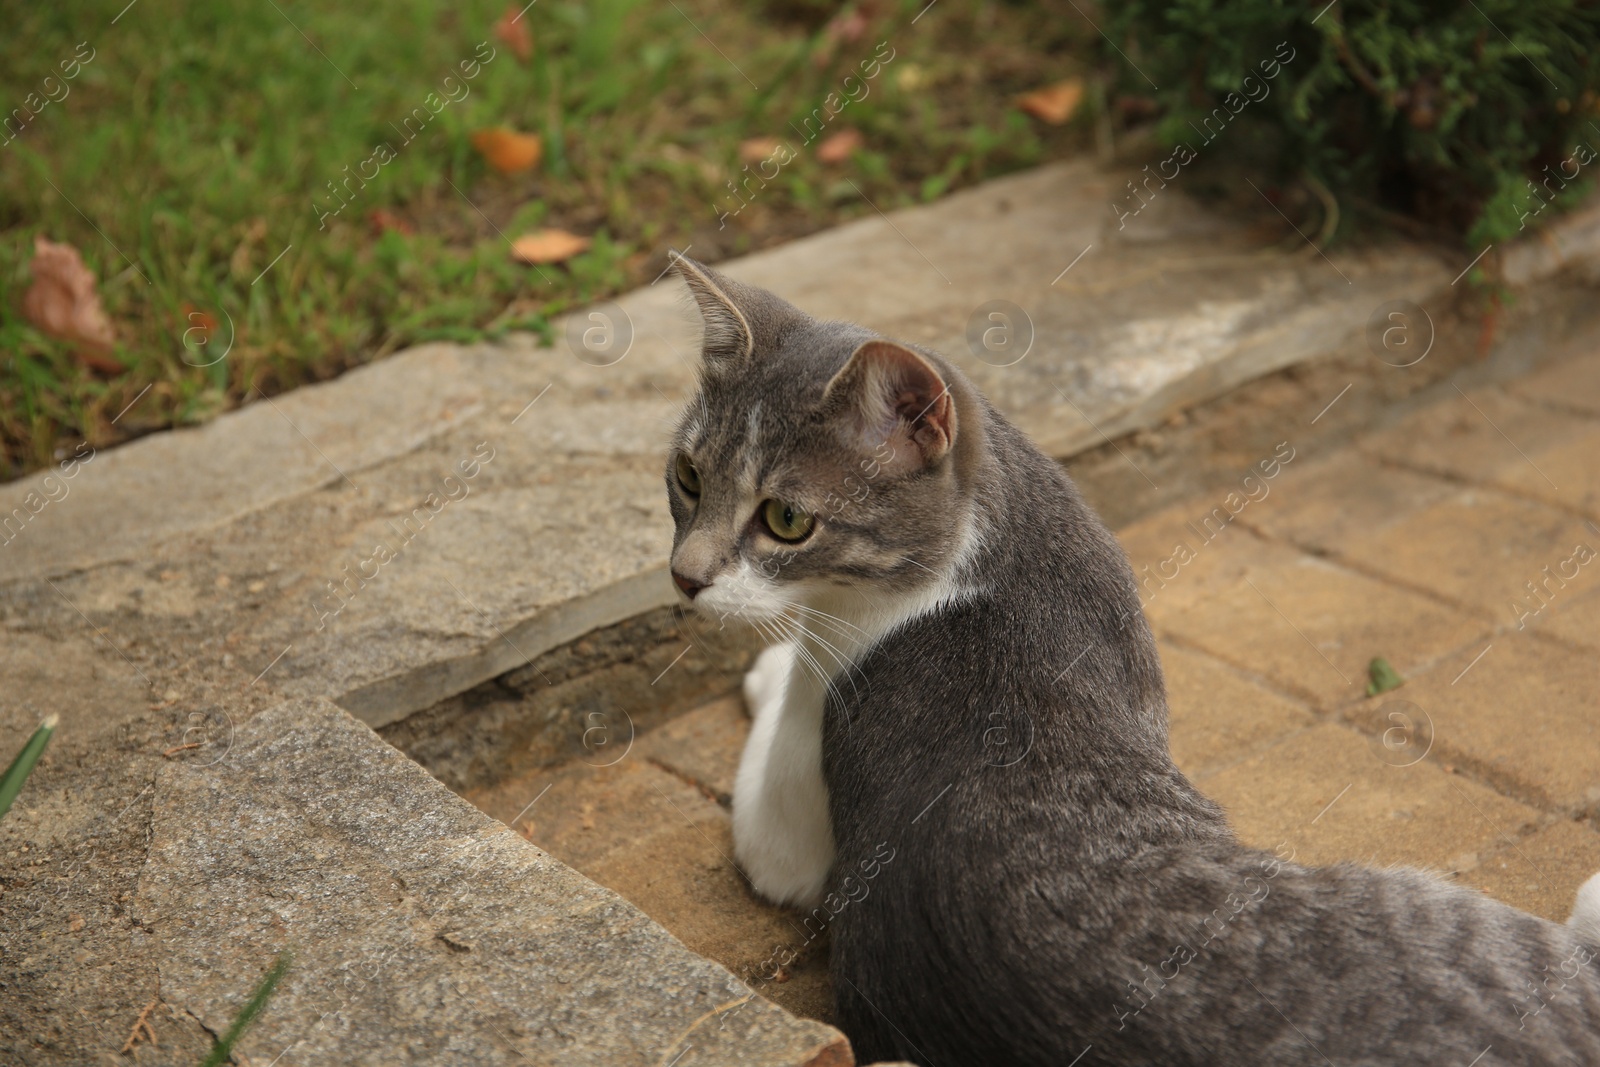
(1462, 545)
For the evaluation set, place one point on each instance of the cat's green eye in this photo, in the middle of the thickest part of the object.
(787, 522)
(688, 477)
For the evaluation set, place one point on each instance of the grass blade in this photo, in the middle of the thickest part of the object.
(247, 1014)
(22, 766)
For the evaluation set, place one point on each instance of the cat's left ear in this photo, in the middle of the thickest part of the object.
(892, 398)
(740, 319)
(728, 334)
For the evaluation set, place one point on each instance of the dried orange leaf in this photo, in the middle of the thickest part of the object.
(848, 26)
(1053, 103)
(511, 29)
(548, 246)
(836, 148)
(508, 151)
(64, 302)
(753, 150)
(383, 220)
(194, 318)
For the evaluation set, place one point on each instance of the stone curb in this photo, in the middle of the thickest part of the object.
(422, 931)
(1123, 326)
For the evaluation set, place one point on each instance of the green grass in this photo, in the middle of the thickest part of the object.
(222, 1051)
(197, 144)
(22, 766)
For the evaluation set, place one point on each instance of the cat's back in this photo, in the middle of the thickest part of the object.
(1030, 878)
(1198, 955)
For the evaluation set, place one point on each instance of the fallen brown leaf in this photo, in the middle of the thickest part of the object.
(512, 30)
(1053, 103)
(836, 148)
(753, 150)
(1136, 108)
(64, 302)
(384, 220)
(195, 319)
(848, 26)
(548, 246)
(508, 151)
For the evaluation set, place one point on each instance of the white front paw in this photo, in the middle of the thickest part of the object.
(1585, 921)
(782, 838)
(787, 856)
(765, 680)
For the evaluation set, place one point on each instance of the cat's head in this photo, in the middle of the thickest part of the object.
(818, 461)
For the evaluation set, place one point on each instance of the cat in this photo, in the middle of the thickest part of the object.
(958, 759)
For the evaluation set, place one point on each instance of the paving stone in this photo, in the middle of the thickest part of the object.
(703, 746)
(1575, 619)
(1330, 794)
(1479, 435)
(582, 813)
(1178, 553)
(1322, 504)
(1219, 717)
(1478, 548)
(1541, 873)
(422, 930)
(804, 987)
(1568, 476)
(1571, 383)
(1306, 625)
(685, 879)
(668, 849)
(1523, 716)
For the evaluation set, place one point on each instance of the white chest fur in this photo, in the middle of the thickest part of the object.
(782, 836)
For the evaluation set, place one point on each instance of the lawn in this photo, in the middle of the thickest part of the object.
(269, 193)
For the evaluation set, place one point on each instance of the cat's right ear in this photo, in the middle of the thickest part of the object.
(728, 336)
(894, 404)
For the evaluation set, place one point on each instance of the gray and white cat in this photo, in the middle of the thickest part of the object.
(959, 757)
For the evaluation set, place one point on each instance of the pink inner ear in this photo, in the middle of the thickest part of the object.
(917, 406)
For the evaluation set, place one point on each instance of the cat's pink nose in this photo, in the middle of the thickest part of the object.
(689, 586)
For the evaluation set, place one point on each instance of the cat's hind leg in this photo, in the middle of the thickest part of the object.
(1585, 921)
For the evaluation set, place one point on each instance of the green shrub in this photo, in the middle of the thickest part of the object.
(1466, 114)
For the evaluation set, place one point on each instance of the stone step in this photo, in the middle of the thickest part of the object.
(384, 538)
(655, 827)
(422, 931)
